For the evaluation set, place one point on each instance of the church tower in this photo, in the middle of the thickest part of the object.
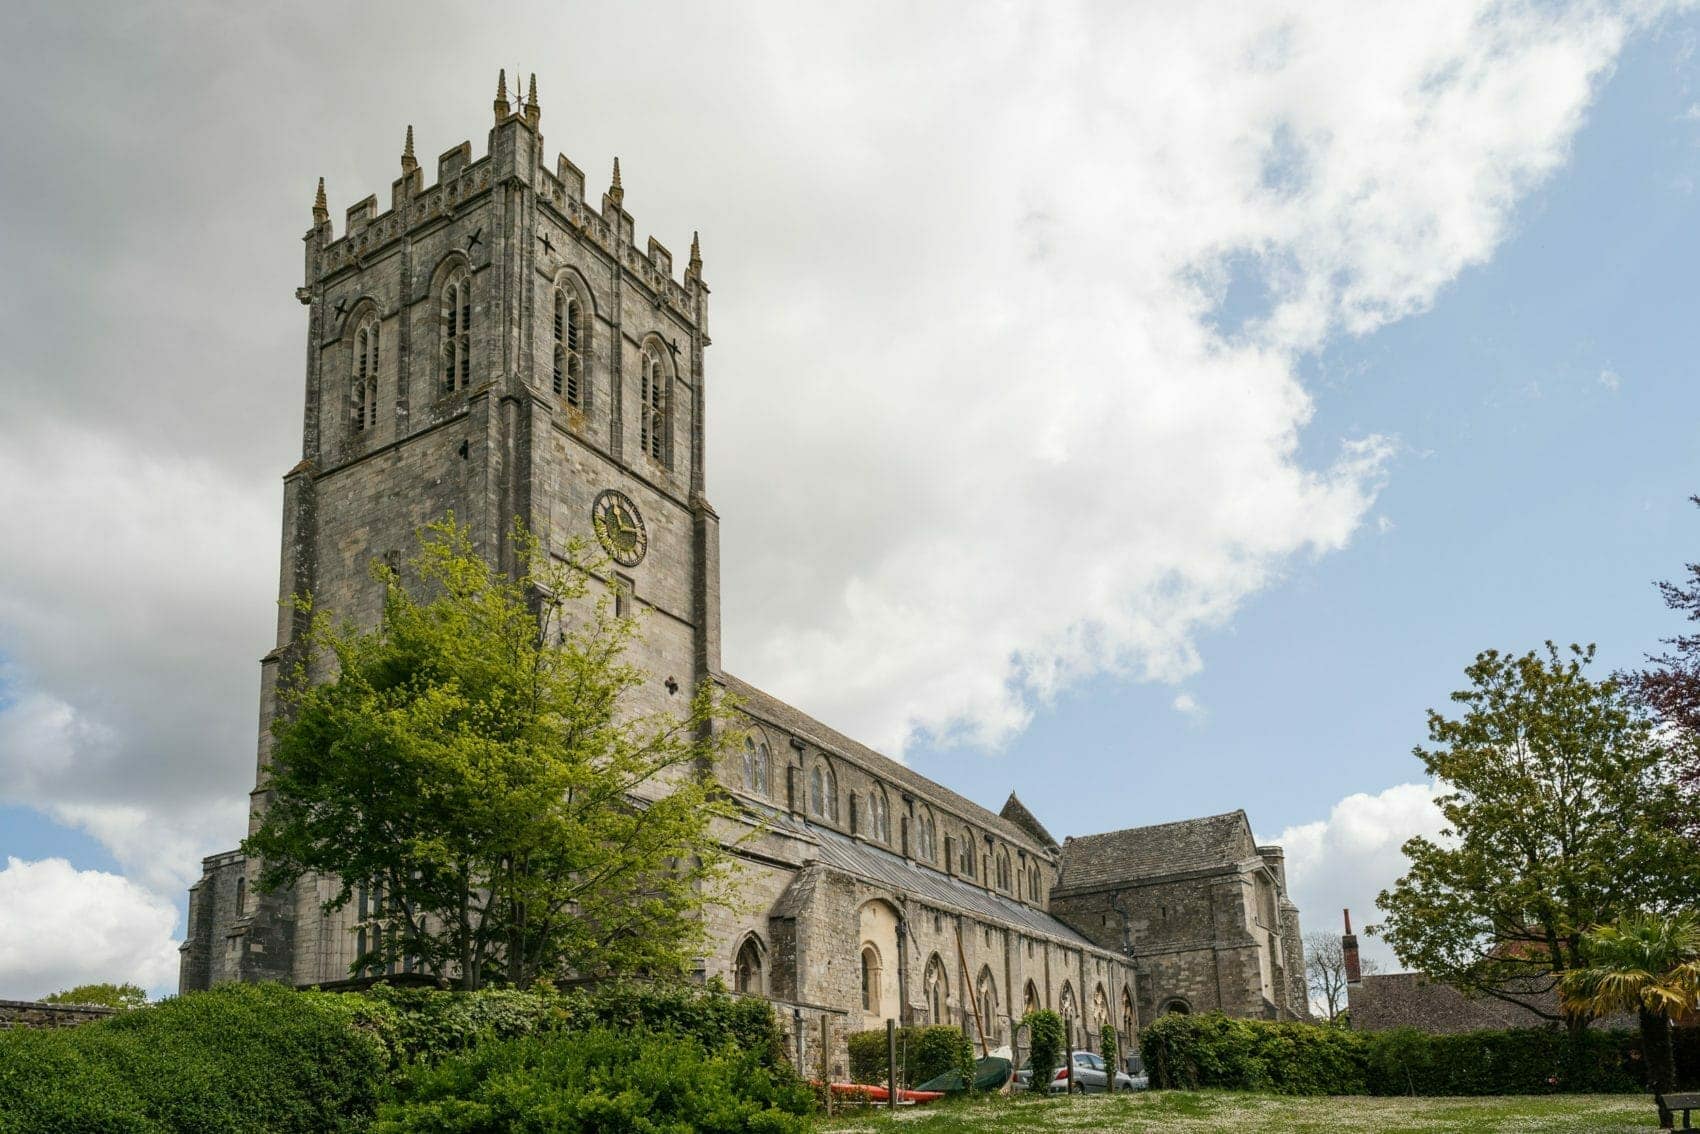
(496, 346)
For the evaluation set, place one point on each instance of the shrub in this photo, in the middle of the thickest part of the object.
(1190, 1052)
(923, 1052)
(241, 1057)
(599, 1080)
(430, 1023)
(1045, 1037)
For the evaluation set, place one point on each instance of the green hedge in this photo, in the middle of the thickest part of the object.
(239, 1058)
(923, 1052)
(266, 1058)
(1190, 1052)
(600, 1080)
(428, 1023)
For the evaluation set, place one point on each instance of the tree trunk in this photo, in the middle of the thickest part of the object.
(1661, 1060)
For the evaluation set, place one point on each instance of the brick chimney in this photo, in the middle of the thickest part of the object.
(1349, 952)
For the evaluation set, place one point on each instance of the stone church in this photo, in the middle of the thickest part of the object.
(495, 345)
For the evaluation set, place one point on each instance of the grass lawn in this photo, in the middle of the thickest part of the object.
(1232, 1110)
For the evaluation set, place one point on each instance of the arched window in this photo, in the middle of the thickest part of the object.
(1129, 1019)
(241, 896)
(1003, 870)
(870, 979)
(570, 336)
(926, 847)
(879, 819)
(823, 793)
(755, 767)
(654, 406)
(456, 328)
(1100, 1009)
(1033, 883)
(936, 985)
(746, 972)
(968, 854)
(1030, 999)
(1066, 1007)
(986, 992)
(1177, 1007)
(363, 380)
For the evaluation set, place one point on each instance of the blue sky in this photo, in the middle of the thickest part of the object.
(1547, 411)
(1309, 352)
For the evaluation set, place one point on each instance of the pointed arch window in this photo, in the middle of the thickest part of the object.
(879, 819)
(363, 379)
(986, 992)
(1033, 883)
(926, 842)
(570, 334)
(936, 986)
(1066, 1007)
(1003, 870)
(655, 409)
(1030, 999)
(747, 970)
(1129, 1019)
(967, 854)
(455, 322)
(755, 767)
(823, 793)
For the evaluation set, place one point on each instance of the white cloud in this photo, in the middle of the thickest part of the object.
(64, 927)
(132, 622)
(1384, 525)
(1187, 705)
(1344, 861)
(1610, 380)
(975, 431)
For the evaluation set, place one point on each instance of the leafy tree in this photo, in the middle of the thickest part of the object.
(1045, 1033)
(104, 995)
(1107, 1049)
(478, 775)
(1325, 971)
(1670, 685)
(1558, 812)
(1649, 965)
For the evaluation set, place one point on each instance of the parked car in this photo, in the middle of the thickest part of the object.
(1089, 1075)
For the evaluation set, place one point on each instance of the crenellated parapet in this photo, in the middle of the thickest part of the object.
(463, 185)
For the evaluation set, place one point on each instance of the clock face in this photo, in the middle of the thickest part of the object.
(619, 527)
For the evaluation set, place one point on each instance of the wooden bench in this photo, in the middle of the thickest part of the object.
(1684, 1103)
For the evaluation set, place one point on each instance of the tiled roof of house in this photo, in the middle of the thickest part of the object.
(1139, 853)
(769, 708)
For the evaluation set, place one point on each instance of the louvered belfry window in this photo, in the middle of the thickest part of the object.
(569, 356)
(456, 322)
(363, 382)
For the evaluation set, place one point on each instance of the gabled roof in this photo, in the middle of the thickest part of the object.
(1016, 812)
(1142, 853)
(853, 856)
(765, 706)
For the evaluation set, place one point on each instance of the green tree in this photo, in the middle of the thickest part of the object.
(1107, 1049)
(1649, 965)
(480, 777)
(1045, 1034)
(104, 995)
(1559, 805)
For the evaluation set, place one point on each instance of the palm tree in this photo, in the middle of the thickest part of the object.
(1647, 964)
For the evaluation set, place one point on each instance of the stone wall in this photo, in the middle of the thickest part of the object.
(31, 1014)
